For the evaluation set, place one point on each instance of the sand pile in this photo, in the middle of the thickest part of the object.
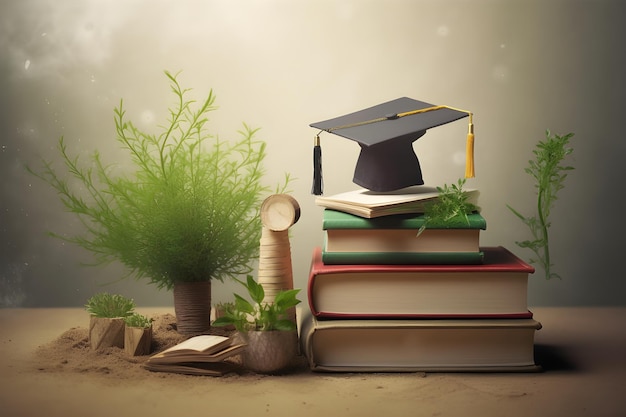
(71, 352)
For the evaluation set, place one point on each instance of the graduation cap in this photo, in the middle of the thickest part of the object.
(386, 133)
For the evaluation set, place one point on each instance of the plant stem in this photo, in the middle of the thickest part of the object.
(549, 176)
(544, 230)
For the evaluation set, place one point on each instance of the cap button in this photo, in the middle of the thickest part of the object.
(391, 116)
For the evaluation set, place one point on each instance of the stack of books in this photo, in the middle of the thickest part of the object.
(383, 299)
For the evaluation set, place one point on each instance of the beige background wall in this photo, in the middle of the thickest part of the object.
(521, 67)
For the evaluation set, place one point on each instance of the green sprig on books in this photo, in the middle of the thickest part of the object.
(549, 175)
(451, 207)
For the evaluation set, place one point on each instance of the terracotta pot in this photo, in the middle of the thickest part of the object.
(106, 332)
(192, 306)
(137, 340)
(269, 352)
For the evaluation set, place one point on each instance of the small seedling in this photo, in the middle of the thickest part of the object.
(109, 305)
(138, 320)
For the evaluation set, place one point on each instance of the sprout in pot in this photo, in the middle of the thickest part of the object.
(137, 335)
(267, 329)
(186, 213)
(138, 320)
(106, 319)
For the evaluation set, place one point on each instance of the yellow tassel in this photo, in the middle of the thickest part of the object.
(469, 152)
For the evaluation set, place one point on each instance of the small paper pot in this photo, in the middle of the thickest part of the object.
(106, 332)
(137, 340)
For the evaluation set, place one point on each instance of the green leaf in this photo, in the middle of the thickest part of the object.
(255, 290)
(243, 305)
(287, 299)
(223, 321)
(285, 325)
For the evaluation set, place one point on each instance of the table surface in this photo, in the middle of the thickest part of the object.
(582, 350)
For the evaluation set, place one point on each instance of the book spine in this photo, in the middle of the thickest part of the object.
(495, 259)
(500, 262)
(325, 315)
(330, 352)
(377, 368)
(341, 220)
(403, 258)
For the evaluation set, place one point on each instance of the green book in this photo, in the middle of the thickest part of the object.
(394, 239)
(334, 219)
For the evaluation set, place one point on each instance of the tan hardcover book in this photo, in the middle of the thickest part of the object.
(377, 345)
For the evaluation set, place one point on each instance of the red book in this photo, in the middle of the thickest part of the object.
(497, 288)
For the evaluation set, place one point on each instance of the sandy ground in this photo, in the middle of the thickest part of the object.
(46, 369)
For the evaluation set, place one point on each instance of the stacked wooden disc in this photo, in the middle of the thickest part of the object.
(278, 213)
(275, 272)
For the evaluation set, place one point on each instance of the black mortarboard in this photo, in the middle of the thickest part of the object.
(386, 133)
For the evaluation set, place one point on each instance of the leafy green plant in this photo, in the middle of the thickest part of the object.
(450, 208)
(259, 315)
(187, 211)
(109, 305)
(549, 175)
(138, 320)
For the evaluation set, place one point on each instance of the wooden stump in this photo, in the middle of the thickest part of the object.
(106, 332)
(137, 340)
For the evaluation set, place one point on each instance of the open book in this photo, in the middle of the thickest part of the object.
(199, 355)
(370, 204)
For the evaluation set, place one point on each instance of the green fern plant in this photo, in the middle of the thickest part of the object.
(187, 211)
(451, 207)
(549, 175)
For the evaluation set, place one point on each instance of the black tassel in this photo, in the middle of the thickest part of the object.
(318, 184)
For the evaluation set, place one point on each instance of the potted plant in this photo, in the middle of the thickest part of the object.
(137, 334)
(185, 214)
(106, 319)
(267, 328)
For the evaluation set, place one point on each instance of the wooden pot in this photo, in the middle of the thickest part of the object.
(192, 306)
(106, 332)
(137, 340)
(270, 351)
